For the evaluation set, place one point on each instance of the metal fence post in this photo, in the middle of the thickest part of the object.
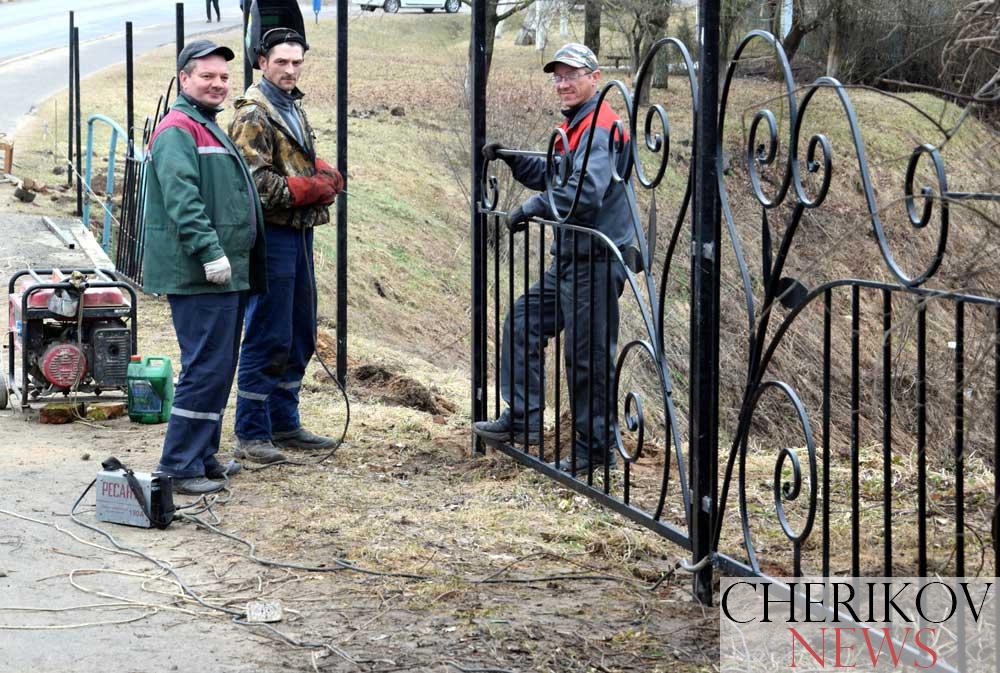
(129, 87)
(705, 304)
(477, 69)
(79, 134)
(342, 23)
(247, 65)
(179, 25)
(70, 108)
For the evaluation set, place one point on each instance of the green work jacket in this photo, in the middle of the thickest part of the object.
(201, 204)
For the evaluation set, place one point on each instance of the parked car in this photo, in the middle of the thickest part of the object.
(393, 6)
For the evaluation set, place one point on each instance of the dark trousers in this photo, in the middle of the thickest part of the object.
(208, 330)
(280, 338)
(590, 322)
(208, 9)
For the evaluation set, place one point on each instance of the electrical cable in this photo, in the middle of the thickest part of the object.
(237, 616)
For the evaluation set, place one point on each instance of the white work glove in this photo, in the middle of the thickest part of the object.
(218, 271)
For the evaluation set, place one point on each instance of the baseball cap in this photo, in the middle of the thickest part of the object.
(201, 49)
(575, 55)
(280, 36)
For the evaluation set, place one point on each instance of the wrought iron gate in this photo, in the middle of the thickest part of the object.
(839, 481)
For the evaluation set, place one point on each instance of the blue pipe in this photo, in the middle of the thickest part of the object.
(116, 131)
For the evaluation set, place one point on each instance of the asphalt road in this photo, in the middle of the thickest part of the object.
(35, 64)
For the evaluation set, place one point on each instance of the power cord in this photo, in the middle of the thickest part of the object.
(237, 616)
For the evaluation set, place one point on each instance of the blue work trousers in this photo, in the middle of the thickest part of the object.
(585, 307)
(280, 338)
(208, 328)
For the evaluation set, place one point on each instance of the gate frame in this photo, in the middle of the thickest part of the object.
(705, 279)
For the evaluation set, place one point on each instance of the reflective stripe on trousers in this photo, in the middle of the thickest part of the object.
(279, 339)
(208, 328)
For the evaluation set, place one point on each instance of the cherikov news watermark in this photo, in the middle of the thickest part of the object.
(858, 624)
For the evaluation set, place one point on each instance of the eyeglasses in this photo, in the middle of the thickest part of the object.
(571, 77)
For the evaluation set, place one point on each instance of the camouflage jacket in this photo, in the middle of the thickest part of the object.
(272, 153)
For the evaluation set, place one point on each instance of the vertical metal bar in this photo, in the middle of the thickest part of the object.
(827, 317)
(496, 317)
(607, 367)
(590, 361)
(996, 442)
(960, 464)
(922, 439)
(70, 107)
(855, 447)
(560, 323)
(342, 7)
(79, 132)
(509, 337)
(574, 403)
(541, 340)
(179, 26)
(247, 65)
(477, 70)
(960, 439)
(887, 430)
(129, 88)
(526, 337)
(704, 309)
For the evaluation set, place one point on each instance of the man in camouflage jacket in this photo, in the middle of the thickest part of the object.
(296, 188)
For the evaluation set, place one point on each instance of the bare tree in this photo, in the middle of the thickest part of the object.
(592, 25)
(971, 57)
(493, 17)
(641, 22)
(806, 17)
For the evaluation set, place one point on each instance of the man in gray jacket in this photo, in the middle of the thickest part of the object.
(585, 305)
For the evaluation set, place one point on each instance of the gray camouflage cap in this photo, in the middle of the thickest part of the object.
(575, 55)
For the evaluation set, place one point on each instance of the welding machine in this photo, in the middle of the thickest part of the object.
(74, 329)
(133, 498)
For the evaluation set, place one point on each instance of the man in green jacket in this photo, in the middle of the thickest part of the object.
(296, 187)
(205, 250)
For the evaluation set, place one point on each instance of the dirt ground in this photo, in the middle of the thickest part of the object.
(512, 573)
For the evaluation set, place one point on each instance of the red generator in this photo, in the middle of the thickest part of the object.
(73, 330)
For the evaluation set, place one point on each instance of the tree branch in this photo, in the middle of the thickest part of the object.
(524, 4)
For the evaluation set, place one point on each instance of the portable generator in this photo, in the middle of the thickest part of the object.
(73, 330)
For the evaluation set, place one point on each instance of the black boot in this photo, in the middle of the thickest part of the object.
(506, 429)
(584, 460)
(300, 438)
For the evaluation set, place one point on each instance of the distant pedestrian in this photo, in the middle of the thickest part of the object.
(208, 10)
(204, 250)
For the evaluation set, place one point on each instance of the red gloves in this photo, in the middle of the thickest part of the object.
(309, 190)
(326, 169)
(320, 189)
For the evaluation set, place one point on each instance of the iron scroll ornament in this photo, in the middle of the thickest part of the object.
(818, 160)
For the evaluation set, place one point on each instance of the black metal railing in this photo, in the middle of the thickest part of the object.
(572, 388)
(884, 475)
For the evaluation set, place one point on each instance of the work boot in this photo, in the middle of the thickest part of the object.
(229, 470)
(300, 438)
(197, 486)
(505, 429)
(583, 462)
(258, 451)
